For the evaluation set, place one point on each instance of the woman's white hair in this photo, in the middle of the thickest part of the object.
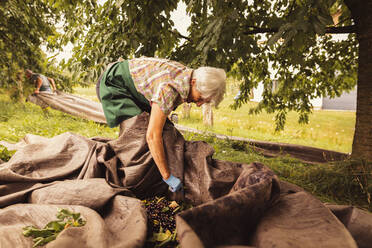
(210, 82)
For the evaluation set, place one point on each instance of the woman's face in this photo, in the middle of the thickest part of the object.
(195, 96)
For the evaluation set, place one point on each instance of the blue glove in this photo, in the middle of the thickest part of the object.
(174, 183)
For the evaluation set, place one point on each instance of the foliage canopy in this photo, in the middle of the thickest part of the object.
(24, 27)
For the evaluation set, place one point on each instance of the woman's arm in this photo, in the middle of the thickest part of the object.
(154, 138)
(53, 84)
(39, 82)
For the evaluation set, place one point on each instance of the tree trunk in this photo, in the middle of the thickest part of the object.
(186, 110)
(362, 144)
(207, 114)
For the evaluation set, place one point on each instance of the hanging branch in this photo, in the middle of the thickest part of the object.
(180, 35)
(329, 30)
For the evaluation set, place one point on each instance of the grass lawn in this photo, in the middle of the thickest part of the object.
(332, 130)
(19, 119)
(327, 129)
(336, 182)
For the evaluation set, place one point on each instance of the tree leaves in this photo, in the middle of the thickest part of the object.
(299, 55)
(121, 28)
(24, 27)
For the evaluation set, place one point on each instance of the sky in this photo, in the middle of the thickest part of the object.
(179, 17)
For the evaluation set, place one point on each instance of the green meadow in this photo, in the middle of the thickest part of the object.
(331, 130)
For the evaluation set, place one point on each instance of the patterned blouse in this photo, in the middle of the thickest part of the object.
(162, 81)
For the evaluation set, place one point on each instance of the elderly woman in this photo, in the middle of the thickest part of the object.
(158, 86)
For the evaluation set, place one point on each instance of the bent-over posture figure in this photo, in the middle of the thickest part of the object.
(41, 82)
(158, 86)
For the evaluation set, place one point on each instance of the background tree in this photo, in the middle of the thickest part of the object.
(118, 28)
(247, 38)
(25, 26)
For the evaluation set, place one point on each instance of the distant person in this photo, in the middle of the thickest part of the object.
(157, 86)
(41, 82)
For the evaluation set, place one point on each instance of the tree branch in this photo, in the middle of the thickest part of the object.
(329, 30)
(185, 37)
(180, 35)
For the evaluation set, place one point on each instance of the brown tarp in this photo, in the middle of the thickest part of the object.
(92, 110)
(236, 205)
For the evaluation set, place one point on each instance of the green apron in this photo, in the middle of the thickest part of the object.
(119, 97)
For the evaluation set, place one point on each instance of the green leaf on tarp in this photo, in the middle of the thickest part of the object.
(5, 154)
(75, 216)
(160, 199)
(39, 241)
(165, 241)
(36, 232)
(41, 236)
(176, 209)
(56, 225)
(165, 209)
(63, 213)
(161, 236)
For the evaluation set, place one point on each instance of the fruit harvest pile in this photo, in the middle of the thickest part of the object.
(161, 225)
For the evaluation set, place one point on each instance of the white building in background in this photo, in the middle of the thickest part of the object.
(347, 101)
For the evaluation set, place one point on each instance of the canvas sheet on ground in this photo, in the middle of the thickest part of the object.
(236, 205)
(70, 104)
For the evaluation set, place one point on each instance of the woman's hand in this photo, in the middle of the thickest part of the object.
(174, 183)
